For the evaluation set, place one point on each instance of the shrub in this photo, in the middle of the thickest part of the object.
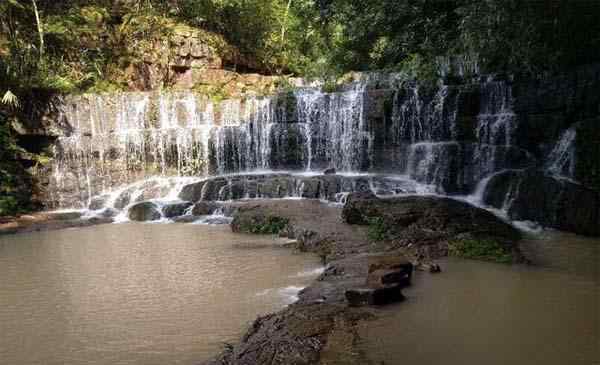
(377, 230)
(484, 249)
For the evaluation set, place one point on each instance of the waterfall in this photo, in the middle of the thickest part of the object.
(418, 117)
(437, 138)
(337, 134)
(120, 139)
(561, 161)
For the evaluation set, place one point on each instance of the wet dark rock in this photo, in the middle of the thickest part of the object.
(123, 199)
(385, 294)
(587, 152)
(212, 187)
(144, 211)
(384, 277)
(446, 216)
(286, 110)
(288, 147)
(192, 192)
(175, 209)
(294, 336)
(204, 208)
(329, 171)
(389, 269)
(234, 191)
(553, 202)
(329, 187)
(109, 213)
(309, 188)
(98, 202)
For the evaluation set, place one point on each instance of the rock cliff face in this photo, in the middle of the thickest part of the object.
(190, 58)
(451, 139)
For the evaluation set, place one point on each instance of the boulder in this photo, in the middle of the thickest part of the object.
(175, 209)
(123, 199)
(98, 202)
(211, 189)
(192, 192)
(385, 294)
(309, 188)
(443, 216)
(144, 211)
(204, 208)
(379, 278)
(109, 213)
(329, 171)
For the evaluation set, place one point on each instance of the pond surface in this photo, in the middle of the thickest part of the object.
(476, 313)
(138, 293)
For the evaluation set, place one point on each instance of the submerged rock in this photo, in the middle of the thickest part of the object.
(144, 211)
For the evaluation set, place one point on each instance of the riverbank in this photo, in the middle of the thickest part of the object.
(47, 221)
(321, 327)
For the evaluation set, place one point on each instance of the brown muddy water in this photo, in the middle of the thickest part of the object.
(478, 313)
(138, 293)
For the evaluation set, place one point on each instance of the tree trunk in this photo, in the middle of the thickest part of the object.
(39, 27)
(284, 23)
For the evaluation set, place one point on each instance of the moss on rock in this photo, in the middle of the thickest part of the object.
(480, 249)
(258, 224)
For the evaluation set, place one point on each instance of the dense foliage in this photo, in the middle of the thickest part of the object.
(528, 37)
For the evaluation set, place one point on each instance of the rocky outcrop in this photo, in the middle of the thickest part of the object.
(143, 212)
(553, 202)
(173, 210)
(359, 271)
(282, 185)
(445, 218)
(587, 150)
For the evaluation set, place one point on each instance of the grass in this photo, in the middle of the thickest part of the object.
(485, 249)
(266, 225)
(377, 230)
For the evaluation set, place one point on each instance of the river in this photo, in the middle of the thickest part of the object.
(482, 313)
(138, 293)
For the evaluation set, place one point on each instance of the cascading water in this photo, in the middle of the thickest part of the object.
(134, 147)
(561, 161)
(121, 139)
